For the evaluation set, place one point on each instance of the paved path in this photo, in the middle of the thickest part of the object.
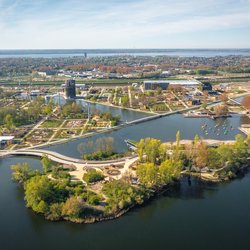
(57, 129)
(36, 126)
(177, 97)
(59, 158)
(130, 97)
(79, 164)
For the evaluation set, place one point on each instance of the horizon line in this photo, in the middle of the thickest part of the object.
(20, 49)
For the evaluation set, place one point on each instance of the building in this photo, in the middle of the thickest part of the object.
(206, 86)
(6, 140)
(70, 89)
(35, 92)
(165, 73)
(47, 73)
(152, 85)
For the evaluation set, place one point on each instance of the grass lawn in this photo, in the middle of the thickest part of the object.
(51, 124)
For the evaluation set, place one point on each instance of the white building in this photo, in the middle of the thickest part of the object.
(164, 84)
(5, 140)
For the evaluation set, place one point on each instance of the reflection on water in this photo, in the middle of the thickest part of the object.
(183, 218)
(164, 129)
(124, 114)
(193, 213)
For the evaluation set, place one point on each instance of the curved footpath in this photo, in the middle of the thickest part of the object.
(80, 165)
(63, 159)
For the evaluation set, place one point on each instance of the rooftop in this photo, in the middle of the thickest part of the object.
(176, 82)
(6, 138)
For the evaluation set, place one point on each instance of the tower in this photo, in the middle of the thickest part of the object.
(70, 89)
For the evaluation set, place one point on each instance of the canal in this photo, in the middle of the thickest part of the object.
(195, 216)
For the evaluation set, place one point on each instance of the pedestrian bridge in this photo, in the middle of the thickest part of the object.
(63, 159)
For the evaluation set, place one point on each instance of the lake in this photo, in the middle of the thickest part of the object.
(195, 216)
(122, 52)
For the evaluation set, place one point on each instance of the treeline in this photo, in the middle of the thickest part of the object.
(162, 163)
(54, 195)
(15, 116)
(99, 149)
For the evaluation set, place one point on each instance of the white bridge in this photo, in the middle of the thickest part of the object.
(62, 159)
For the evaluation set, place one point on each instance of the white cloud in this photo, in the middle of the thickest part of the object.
(79, 24)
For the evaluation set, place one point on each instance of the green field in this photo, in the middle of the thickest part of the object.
(51, 124)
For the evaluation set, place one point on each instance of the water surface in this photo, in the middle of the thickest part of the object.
(196, 216)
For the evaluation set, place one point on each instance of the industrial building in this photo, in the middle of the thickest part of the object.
(70, 89)
(152, 85)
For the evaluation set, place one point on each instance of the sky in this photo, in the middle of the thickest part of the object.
(132, 24)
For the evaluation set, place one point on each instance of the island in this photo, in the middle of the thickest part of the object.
(157, 167)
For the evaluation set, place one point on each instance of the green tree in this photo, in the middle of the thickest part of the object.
(73, 208)
(93, 176)
(204, 105)
(38, 192)
(47, 163)
(178, 139)
(125, 100)
(21, 172)
(42, 207)
(214, 158)
(140, 148)
(9, 122)
(48, 110)
(226, 153)
(169, 170)
(201, 155)
(121, 195)
(55, 212)
(152, 149)
(240, 148)
(163, 152)
(148, 174)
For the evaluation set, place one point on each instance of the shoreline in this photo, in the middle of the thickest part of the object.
(154, 194)
(122, 125)
(116, 106)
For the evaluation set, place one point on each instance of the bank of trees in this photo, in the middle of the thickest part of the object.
(53, 194)
(120, 195)
(11, 117)
(57, 198)
(99, 149)
(72, 110)
(161, 163)
(107, 116)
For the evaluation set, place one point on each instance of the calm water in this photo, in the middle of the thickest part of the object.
(122, 52)
(124, 114)
(164, 129)
(197, 216)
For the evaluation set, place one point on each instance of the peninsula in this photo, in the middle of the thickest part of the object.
(108, 192)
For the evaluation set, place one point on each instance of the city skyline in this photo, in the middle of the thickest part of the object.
(128, 24)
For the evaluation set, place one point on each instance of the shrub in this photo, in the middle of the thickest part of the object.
(93, 176)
